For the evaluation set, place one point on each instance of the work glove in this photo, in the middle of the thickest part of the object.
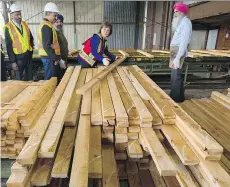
(106, 61)
(62, 64)
(56, 62)
(14, 66)
(176, 63)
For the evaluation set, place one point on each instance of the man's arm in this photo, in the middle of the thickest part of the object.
(47, 40)
(9, 47)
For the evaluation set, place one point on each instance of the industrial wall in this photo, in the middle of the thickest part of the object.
(82, 19)
(223, 41)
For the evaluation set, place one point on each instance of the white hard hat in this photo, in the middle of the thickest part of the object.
(14, 8)
(51, 7)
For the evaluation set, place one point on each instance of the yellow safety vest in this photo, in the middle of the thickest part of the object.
(54, 45)
(20, 42)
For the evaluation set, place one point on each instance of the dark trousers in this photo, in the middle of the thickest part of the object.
(50, 69)
(177, 85)
(24, 64)
(3, 68)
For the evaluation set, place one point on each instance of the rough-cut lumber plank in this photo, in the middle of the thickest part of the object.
(121, 156)
(134, 180)
(158, 153)
(131, 167)
(221, 98)
(121, 138)
(10, 93)
(121, 130)
(119, 108)
(183, 176)
(144, 114)
(134, 129)
(95, 160)
(171, 181)
(96, 115)
(41, 172)
(50, 140)
(216, 115)
(145, 53)
(64, 153)
(79, 172)
(156, 118)
(132, 135)
(146, 179)
(108, 129)
(17, 101)
(29, 151)
(212, 53)
(128, 103)
(159, 102)
(86, 103)
(72, 114)
(35, 98)
(110, 175)
(182, 149)
(107, 138)
(141, 91)
(121, 146)
(157, 179)
(206, 122)
(161, 51)
(200, 176)
(102, 74)
(106, 101)
(134, 149)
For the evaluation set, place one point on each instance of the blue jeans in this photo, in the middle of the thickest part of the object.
(48, 68)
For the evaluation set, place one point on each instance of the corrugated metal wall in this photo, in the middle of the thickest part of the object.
(88, 18)
(123, 16)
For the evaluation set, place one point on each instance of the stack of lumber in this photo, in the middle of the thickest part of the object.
(21, 105)
(122, 126)
(214, 116)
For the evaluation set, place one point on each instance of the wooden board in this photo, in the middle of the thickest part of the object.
(132, 135)
(51, 138)
(145, 53)
(79, 172)
(134, 149)
(156, 118)
(127, 101)
(119, 108)
(134, 180)
(110, 175)
(146, 179)
(144, 114)
(103, 74)
(106, 101)
(95, 158)
(64, 153)
(161, 159)
(158, 101)
(221, 98)
(72, 114)
(157, 179)
(185, 153)
(141, 91)
(41, 174)
(28, 154)
(96, 113)
(131, 167)
(134, 129)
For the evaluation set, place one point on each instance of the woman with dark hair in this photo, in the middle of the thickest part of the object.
(94, 48)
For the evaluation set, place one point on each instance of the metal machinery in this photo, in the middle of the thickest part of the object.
(155, 62)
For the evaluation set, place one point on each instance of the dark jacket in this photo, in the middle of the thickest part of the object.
(12, 56)
(63, 43)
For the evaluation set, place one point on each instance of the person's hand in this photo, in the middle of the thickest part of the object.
(62, 64)
(106, 61)
(117, 57)
(176, 63)
(15, 66)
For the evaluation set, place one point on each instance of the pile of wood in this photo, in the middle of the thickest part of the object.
(21, 105)
(214, 116)
(123, 126)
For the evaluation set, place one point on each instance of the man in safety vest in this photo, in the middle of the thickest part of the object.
(49, 48)
(19, 44)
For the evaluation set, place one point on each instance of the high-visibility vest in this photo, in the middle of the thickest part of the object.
(20, 42)
(86, 52)
(55, 45)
